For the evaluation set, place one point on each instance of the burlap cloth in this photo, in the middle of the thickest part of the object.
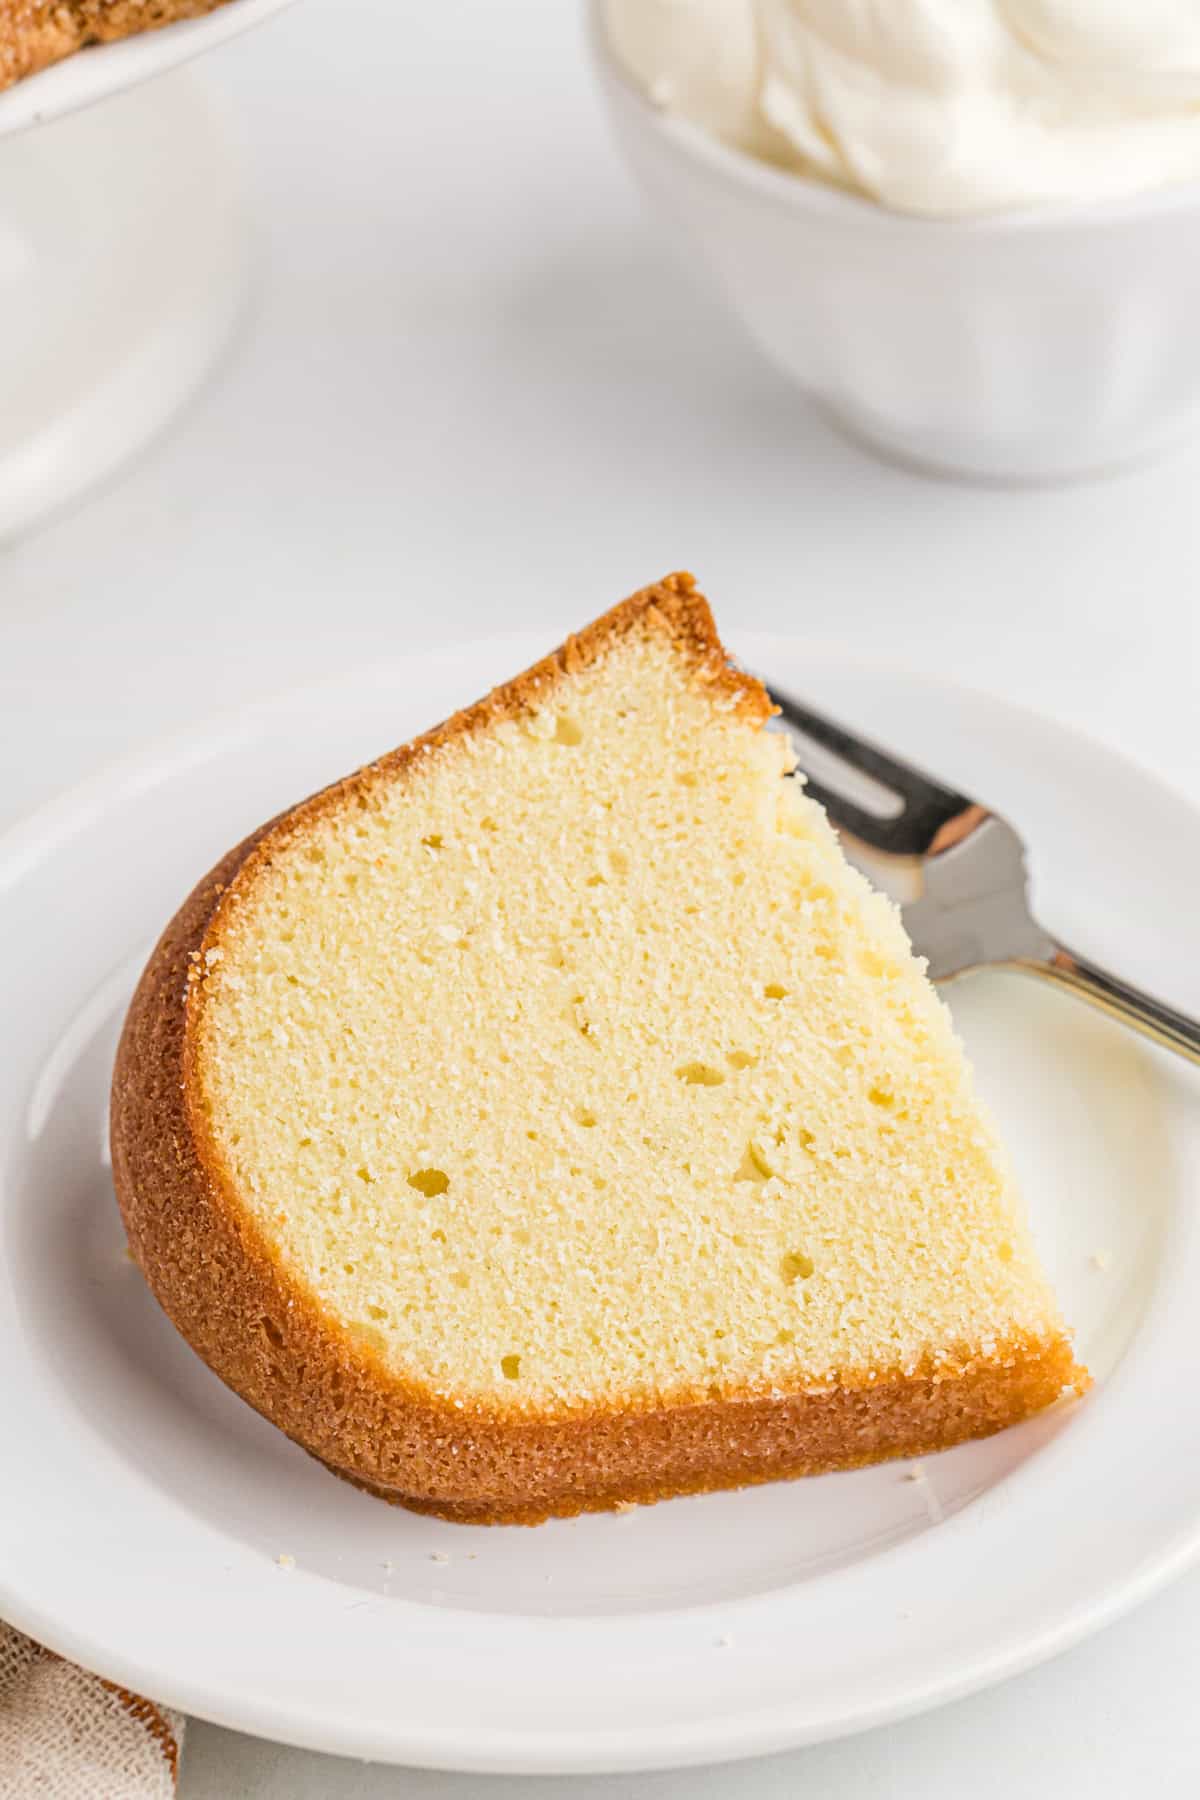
(67, 1735)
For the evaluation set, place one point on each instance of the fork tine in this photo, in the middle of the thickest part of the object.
(928, 806)
(868, 827)
(902, 778)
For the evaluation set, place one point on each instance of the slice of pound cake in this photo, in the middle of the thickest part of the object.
(547, 1116)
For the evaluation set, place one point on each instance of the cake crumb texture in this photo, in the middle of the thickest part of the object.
(555, 1120)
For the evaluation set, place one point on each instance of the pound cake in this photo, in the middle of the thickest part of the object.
(36, 33)
(547, 1117)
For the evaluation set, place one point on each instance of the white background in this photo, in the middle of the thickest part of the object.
(474, 393)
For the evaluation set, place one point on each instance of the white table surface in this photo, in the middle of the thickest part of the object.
(474, 393)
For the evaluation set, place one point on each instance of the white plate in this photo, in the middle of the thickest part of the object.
(145, 1507)
(102, 69)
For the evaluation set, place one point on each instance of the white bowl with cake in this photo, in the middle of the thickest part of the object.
(1019, 329)
(124, 236)
(54, 60)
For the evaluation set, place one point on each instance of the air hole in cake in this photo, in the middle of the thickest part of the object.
(795, 1266)
(700, 1074)
(753, 1166)
(376, 1312)
(881, 1096)
(364, 1174)
(438, 1236)
(741, 1059)
(595, 881)
(315, 854)
(272, 1333)
(510, 1367)
(1005, 1253)
(488, 825)
(785, 1337)
(619, 862)
(434, 841)
(774, 991)
(568, 730)
(585, 1116)
(430, 1182)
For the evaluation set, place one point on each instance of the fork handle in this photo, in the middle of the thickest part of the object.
(1174, 1030)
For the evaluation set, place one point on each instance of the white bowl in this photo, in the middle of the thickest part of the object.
(1025, 346)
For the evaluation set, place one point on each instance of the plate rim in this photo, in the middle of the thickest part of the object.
(111, 69)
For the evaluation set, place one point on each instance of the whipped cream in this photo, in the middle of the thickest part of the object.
(943, 107)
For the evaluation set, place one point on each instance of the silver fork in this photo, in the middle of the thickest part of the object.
(964, 871)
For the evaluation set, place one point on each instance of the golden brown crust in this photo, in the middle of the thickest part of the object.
(597, 1463)
(36, 33)
(224, 1286)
